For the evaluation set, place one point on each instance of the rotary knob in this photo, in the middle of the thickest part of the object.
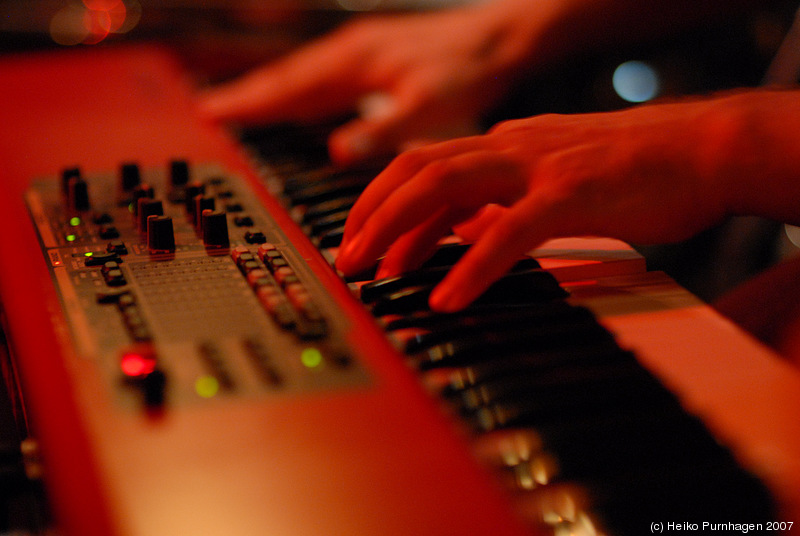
(160, 234)
(179, 172)
(78, 194)
(215, 229)
(142, 191)
(67, 175)
(148, 207)
(201, 203)
(191, 191)
(130, 176)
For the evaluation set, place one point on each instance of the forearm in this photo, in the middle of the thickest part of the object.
(753, 152)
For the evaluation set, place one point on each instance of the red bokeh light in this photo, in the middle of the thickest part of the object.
(137, 364)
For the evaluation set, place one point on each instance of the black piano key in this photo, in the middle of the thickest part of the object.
(385, 287)
(601, 447)
(531, 322)
(579, 382)
(477, 347)
(450, 253)
(301, 145)
(497, 367)
(328, 174)
(530, 278)
(573, 400)
(496, 339)
(307, 214)
(332, 238)
(404, 301)
(440, 261)
(515, 288)
(306, 177)
(717, 491)
(327, 190)
(321, 225)
(476, 313)
(447, 254)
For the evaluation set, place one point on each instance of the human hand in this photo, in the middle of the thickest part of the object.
(644, 175)
(411, 78)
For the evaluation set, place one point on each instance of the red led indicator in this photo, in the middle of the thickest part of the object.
(137, 364)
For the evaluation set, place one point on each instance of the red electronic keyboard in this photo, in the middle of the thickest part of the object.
(189, 362)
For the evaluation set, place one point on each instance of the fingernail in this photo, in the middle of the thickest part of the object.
(350, 150)
(360, 144)
(383, 272)
(444, 300)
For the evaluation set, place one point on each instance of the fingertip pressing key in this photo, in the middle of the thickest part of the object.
(444, 300)
(347, 259)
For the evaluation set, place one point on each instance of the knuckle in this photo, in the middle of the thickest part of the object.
(446, 176)
(513, 224)
(503, 126)
(407, 160)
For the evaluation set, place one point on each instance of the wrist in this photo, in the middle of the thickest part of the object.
(750, 155)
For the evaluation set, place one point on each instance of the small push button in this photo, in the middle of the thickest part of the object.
(100, 258)
(107, 232)
(118, 247)
(255, 237)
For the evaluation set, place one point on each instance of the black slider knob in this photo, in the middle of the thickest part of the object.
(201, 203)
(130, 176)
(78, 194)
(148, 207)
(142, 191)
(160, 234)
(215, 229)
(179, 172)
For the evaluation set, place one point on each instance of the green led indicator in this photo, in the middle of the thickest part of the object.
(74, 221)
(71, 238)
(206, 386)
(311, 358)
(88, 254)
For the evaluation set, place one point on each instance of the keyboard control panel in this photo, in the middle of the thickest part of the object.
(183, 289)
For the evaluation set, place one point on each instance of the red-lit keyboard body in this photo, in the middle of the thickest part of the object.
(343, 439)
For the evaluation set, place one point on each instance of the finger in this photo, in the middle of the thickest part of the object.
(408, 207)
(386, 122)
(287, 90)
(402, 169)
(417, 245)
(472, 229)
(449, 163)
(464, 183)
(518, 230)
(356, 141)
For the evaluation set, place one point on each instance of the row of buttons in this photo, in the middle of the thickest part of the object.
(131, 314)
(280, 291)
